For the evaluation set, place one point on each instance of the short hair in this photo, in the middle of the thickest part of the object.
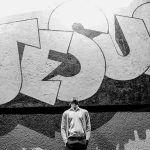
(74, 101)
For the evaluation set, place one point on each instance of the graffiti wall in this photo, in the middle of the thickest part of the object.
(98, 57)
(84, 49)
(110, 131)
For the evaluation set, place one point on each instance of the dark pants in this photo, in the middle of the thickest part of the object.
(76, 143)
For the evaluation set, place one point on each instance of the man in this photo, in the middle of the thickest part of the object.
(75, 127)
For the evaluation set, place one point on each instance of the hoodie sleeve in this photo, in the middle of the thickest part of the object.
(64, 127)
(88, 125)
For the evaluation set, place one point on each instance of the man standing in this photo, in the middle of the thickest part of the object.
(75, 127)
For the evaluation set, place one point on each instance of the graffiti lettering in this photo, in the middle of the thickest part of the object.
(10, 74)
(87, 82)
(71, 58)
(137, 61)
(74, 16)
(36, 66)
(70, 65)
(142, 12)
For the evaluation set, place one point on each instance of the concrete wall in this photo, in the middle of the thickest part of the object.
(96, 51)
(110, 131)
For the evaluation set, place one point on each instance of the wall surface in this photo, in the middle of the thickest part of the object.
(96, 51)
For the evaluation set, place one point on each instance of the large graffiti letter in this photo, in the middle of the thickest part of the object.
(88, 80)
(87, 22)
(67, 66)
(36, 66)
(143, 12)
(137, 45)
(10, 74)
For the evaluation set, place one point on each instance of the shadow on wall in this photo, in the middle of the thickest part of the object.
(118, 133)
(121, 128)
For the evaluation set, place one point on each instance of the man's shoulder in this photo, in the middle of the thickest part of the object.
(84, 110)
(66, 111)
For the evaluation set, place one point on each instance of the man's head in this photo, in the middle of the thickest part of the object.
(74, 103)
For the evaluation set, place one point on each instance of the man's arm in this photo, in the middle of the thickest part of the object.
(88, 125)
(64, 127)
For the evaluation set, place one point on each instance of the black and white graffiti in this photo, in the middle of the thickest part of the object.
(73, 55)
(76, 49)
